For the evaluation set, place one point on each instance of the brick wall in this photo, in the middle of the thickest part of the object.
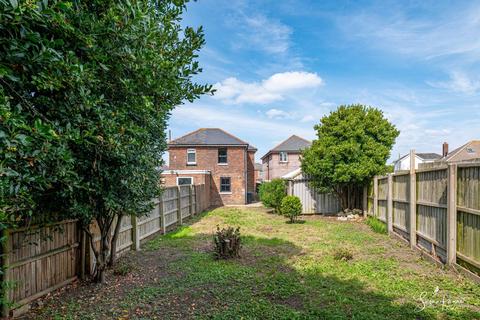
(273, 168)
(207, 159)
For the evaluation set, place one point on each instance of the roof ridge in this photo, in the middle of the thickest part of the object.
(231, 135)
(187, 134)
(294, 135)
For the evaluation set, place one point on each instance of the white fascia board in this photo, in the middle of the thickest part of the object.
(186, 172)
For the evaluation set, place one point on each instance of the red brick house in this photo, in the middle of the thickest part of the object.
(214, 157)
(284, 158)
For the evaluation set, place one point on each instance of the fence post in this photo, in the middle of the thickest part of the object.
(179, 206)
(390, 203)
(413, 201)
(5, 257)
(375, 196)
(452, 214)
(192, 203)
(135, 234)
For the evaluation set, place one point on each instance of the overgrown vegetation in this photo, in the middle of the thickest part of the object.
(353, 144)
(291, 207)
(376, 225)
(272, 192)
(227, 242)
(343, 254)
(285, 272)
(86, 88)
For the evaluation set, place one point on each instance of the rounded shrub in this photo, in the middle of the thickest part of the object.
(271, 193)
(291, 207)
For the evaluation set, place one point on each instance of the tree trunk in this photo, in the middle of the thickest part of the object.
(113, 253)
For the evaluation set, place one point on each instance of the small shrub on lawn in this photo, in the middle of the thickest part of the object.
(291, 207)
(271, 193)
(123, 268)
(227, 243)
(343, 254)
(376, 225)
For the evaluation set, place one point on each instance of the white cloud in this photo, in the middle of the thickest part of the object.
(308, 118)
(275, 88)
(278, 114)
(261, 33)
(451, 34)
(459, 82)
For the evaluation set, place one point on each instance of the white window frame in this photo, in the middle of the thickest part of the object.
(220, 185)
(470, 150)
(191, 181)
(194, 151)
(280, 156)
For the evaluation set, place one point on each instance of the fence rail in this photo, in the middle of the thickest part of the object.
(40, 259)
(436, 209)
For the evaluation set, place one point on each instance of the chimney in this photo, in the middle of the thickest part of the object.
(444, 149)
(169, 135)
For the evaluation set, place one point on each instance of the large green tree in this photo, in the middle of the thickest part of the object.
(86, 91)
(353, 144)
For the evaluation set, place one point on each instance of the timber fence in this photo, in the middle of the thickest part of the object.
(40, 259)
(435, 209)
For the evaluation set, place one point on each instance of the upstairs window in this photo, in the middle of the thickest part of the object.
(470, 150)
(222, 155)
(184, 180)
(225, 185)
(191, 156)
(283, 157)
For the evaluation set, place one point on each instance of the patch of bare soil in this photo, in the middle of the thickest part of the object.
(147, 267)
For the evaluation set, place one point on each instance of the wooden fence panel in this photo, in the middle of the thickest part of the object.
(185, 201)
(382, 188)
(468, 215)
(41, 260)
(401, 204)
(432, 210)
(170, 203)
(149, 224)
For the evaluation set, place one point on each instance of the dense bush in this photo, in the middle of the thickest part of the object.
(227, 242)
(291, 207)
(272, 193)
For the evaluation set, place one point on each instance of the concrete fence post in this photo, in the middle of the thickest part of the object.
(452, 214)
(413, 201)
(390, 204)
(179, 206)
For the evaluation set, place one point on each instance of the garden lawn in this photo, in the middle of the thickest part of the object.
(286, 271)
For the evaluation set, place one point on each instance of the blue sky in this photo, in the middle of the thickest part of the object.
(279, 66)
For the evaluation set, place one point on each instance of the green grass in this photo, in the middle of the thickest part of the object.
(288, 271)
(376, 225)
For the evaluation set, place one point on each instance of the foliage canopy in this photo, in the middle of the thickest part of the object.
(272, 192)
(86, 91)
(353, 144)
